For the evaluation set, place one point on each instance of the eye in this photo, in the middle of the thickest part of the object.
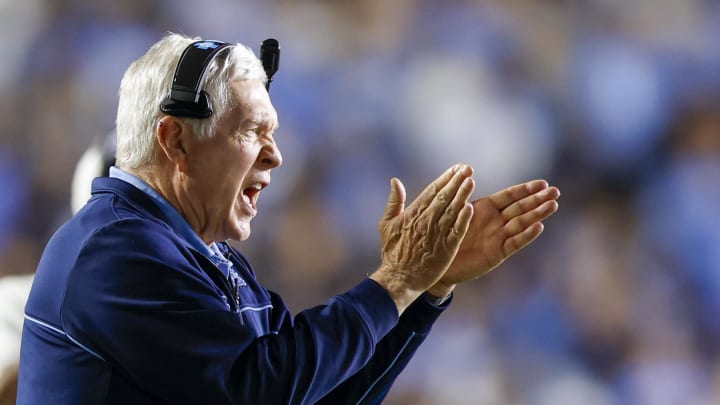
(247, 134)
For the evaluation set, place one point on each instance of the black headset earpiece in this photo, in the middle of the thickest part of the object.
(186, 98)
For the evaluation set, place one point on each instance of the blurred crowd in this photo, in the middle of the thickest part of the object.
(616, 102)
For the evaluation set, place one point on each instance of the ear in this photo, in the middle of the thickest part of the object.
(171, 135)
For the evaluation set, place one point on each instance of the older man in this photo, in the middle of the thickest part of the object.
(138, 299)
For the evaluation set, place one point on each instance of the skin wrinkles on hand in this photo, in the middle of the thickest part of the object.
(441, 239)
(417, 247)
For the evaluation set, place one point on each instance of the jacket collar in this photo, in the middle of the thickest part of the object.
(129, 193)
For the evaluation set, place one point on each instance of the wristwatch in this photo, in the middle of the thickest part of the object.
(436, 301)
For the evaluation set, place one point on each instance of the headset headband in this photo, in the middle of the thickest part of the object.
(186, 98)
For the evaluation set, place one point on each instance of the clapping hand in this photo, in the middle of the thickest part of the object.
(502, 224)
(420, 241)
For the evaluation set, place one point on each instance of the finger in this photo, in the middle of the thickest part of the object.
(530, 202)
(396, 200)
(427, 196)
(462, 223)
(505, 197)
(528, 219)
(452, 189)
(448, 217)
(524, 238)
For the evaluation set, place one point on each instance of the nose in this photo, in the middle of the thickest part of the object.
(270, 155)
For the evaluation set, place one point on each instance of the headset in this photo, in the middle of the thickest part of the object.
(186, 98)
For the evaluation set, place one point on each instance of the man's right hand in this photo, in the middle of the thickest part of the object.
(420, 242)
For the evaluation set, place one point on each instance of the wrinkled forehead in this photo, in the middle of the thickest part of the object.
(253, 104)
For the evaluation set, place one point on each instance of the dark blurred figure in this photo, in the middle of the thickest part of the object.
(14, 289)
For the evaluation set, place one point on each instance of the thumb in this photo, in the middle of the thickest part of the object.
(396, 200)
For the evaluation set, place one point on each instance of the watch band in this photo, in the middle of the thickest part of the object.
(436, 301)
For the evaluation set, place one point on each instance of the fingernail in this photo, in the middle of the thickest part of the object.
(455, 168)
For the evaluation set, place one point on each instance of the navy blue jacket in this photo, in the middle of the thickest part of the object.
(125, 311)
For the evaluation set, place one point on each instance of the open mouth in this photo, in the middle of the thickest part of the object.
(251, 193)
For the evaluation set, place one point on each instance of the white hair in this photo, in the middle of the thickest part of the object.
(147, 83)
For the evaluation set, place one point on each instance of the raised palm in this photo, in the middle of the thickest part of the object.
(502, 224)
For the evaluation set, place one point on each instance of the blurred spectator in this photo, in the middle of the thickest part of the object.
(13, 294)
(14, 289)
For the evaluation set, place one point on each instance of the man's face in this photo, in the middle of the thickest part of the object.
(226, 173)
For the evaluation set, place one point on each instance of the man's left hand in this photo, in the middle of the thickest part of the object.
(502, 224)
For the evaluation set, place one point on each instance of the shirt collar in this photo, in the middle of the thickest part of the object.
(176, 221)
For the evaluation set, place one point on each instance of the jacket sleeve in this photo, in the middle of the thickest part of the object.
(135, 300)
(371, 384)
